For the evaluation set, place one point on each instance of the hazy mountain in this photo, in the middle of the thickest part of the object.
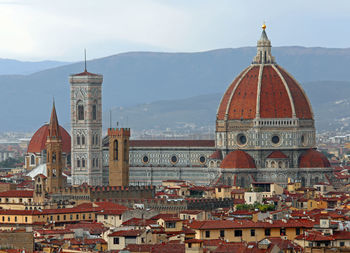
(330, 106)
(14, 67)
(143, 77)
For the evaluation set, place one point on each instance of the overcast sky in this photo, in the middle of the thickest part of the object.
(60, 30)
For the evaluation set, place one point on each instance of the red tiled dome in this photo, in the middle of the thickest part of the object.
(313, 159)
(277, 154)
(277, 96)
(238, 159)
(38, 141)
(216, 155)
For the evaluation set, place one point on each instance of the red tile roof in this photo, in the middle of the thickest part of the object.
(313, 159)
(238, 159)
(240, 99)
(38, 140)
(314, 236)
(85, 73)
(277, 154)
(126, 233)
(216, 155)
(17, 193)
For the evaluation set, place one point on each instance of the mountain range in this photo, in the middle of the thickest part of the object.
(156, 90)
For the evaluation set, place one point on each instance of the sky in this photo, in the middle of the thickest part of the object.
(35, 30)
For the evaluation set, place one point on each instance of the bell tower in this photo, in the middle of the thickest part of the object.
(54, 164)
(86, 128)
(119, 156)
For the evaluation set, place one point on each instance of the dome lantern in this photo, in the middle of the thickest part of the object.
(264, 55)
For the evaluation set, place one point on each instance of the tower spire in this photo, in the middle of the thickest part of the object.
(54, 130)
(85, 60)
(264, 55)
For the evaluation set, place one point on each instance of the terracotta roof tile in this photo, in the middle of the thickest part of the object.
(238, 159)
(38, 140)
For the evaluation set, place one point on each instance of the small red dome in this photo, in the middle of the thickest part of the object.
(38, 141)
(216, 155)
(313, 159)
(238, 159)
(266, 91)
(277, 154)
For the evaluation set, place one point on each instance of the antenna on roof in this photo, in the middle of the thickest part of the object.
(85, 59)
(110, 118)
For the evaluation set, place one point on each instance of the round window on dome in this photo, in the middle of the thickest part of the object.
(275, 139)
(241, 139)
(202, 159)
(145, 159)
(174, 159)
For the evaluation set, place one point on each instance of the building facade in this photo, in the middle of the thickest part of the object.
(265, 126)
(86, 131)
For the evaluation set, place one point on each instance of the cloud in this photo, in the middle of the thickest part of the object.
(41, 29)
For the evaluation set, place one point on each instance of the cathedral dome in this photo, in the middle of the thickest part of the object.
(264, 90)
(38, 141)
(313, 159)
(277, 155)
(238, 159)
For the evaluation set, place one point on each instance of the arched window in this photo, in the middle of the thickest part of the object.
(96, 162)
(96, 139)
(82, 140)
(115, 150)
(280, 165)
(78, 163)
(32, 159)
(83, 163)
(93, 162)
(126, 155)
(78, 139)
(53, 157)
(94, 111)
(93, 139)
(80, 109)
(242, 182)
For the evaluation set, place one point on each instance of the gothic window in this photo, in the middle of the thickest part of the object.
(96, 139)
(115, 150)
(94, 111)
(83, 163)
(93, 140)
(32, 160)
(53, 157)
(78, 140)
(125, 150)
(242, 182)
(82, 140)
(78, 163)
(93, 162)
(80, 109)
(96, 162)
